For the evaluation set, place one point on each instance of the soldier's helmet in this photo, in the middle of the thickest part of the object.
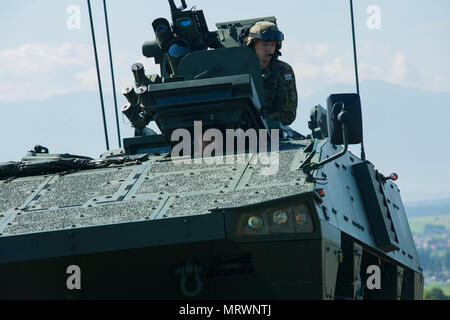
(266, 31)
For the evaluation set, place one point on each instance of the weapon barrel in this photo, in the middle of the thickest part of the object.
(131, 111)
(130, 94)
(139, 75)
(142, 93)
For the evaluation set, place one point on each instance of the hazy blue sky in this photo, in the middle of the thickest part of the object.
(410, 48)
(40, 57)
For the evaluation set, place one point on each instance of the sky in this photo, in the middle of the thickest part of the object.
(46, 50)
(409, 48)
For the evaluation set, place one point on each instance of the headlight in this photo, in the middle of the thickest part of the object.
(280, 217)
(281, 220)
(255, 223)
(303, 220)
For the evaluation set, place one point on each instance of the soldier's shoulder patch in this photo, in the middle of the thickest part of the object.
(288, 76)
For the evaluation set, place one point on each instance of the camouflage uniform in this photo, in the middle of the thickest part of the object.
(280, 91)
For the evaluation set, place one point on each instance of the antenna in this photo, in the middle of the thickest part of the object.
(112, 74)
(98, 75)
(363, 154)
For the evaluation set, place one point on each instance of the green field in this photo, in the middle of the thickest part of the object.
(418, 224)
(445, 287)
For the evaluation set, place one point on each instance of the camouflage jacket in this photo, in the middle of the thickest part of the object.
(280, 92)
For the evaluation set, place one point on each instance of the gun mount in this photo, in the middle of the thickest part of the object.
(221, 87)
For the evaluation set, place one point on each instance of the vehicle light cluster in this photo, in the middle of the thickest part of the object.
(291, 219)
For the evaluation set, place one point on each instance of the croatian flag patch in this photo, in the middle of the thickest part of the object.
(288, 76)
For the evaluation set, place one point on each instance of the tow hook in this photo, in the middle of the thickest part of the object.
(188, 268)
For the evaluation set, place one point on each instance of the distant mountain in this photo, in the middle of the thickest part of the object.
(69, 123)
(406, 130)
(428, 208)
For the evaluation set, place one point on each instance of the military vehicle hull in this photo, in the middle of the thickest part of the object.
(134, 237)
(307, 220)
(246, 271)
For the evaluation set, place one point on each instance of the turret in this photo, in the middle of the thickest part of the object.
(221, 87)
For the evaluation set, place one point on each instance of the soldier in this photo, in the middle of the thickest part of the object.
(279, 80)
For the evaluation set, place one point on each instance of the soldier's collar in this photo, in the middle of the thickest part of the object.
(269, 65)
(267, 69)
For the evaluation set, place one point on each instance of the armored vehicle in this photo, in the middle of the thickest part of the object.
(222, 204)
